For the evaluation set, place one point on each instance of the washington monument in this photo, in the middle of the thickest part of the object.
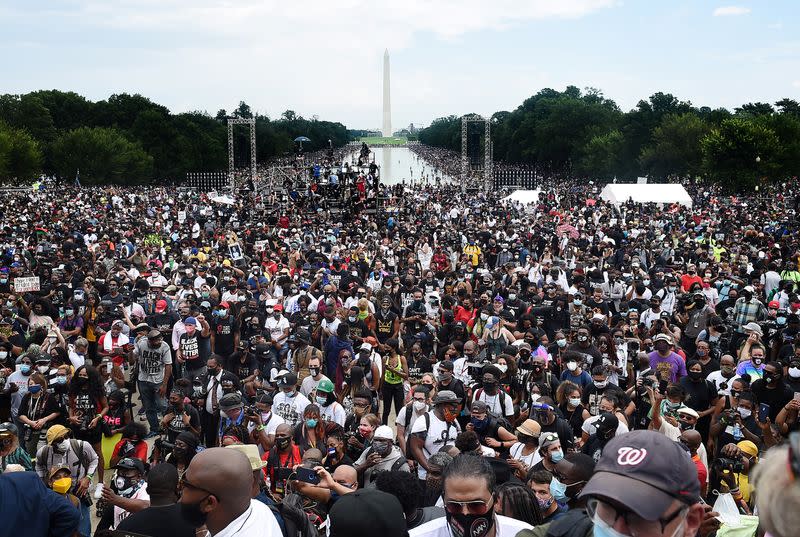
(387, 102)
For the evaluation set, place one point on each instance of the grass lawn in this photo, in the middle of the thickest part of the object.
(370, 140)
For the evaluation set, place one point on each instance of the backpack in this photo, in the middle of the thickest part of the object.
(502, 420)
(75, 446)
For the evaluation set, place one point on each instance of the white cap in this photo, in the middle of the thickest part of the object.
(366, 346)
(385, 432)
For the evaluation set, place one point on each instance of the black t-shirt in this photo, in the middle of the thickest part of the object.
(190, 351)
(358, 330)
(776, 398)
(384, 325)
(241, 369)
(163, 322)
(224, 332)
(176, 425)
(158, 521)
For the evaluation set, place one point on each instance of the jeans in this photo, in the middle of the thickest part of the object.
(152, 403)
(85, 524)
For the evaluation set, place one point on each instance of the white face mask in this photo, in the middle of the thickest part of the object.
(745, 412)
(572, 366)
(502, 367)
(794, 372)
(419, 406)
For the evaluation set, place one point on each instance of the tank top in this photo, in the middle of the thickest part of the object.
(390, 377)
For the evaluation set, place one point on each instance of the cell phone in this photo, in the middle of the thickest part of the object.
(797, 396)
(763, 412)
(307, 475)
(662, 387)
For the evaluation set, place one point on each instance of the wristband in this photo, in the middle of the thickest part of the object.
(260, 428)
(99, 415)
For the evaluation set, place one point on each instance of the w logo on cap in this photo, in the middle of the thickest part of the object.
(628, 456)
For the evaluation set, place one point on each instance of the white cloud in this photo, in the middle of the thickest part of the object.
(727, 11)
(316, 57)
(796, 84)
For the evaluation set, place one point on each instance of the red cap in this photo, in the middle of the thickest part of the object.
(774, 304)
(278, 307)
(161, 306)
(224, 305)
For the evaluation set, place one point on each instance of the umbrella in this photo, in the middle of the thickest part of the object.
(567, 228)
(300, 140)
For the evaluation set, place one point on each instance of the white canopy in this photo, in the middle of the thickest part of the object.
(523, 196)
(652, 193)
(226, 200)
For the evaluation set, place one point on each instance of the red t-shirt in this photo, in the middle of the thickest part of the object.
(702, 472)
(139, 452)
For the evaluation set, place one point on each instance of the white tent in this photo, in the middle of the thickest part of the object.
(652, 193)
(523, 196)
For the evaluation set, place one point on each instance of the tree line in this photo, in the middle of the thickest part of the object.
(128, 139)
(583, 134)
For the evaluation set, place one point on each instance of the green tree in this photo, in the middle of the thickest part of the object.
(788, 106)
(740, 153)
(675, 150)
(600, 156)
(103, 155)
(755, 109)
(243, 111)
(20, 155)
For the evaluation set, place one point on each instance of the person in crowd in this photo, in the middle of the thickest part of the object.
(470, 496)
(11, 452)
(382, 455)
(434, 431)
(87, 406)
(54, 513)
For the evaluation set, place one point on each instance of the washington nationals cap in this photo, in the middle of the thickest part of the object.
(644, 471)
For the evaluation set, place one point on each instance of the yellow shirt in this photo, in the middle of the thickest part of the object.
(474, 251)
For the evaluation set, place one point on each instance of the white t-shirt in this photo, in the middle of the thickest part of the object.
(590, 428)
(276, 327)
(121, 514)
(256, 521)
(270, 425)
(717, 379)
(330, 327)
(497, 402)
(309, 385)
(529, 460)
(505, 527)
(438, 435)
(290, 408)
(401, 418)
(334, 412)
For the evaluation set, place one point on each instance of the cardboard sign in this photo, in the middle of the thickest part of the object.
(260, 246)
(27, 284)
(235, 251)
(181, 216)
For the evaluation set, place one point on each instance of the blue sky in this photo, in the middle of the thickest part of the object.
(324, 58)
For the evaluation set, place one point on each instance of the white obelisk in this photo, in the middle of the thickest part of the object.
(387, 103)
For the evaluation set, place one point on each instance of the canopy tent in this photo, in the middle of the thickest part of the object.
(523, 196)
(652, 193)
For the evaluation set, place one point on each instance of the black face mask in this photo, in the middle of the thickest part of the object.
(490, 387)
(695, 375)
(282, 443)
(192, 514)
(462, 525)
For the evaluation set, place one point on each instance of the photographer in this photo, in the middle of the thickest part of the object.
(132, 444)
(736, 424)
(179, 417)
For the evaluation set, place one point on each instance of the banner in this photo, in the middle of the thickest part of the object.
(260, 246)
(27, 284)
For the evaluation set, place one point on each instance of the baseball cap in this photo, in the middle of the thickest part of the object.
(689, 412)
(56, 433)
(645, 472)
(161, 306)
(445, 396)
(547, 440)
(191, 321)
(663, 337)
(383, 511)
(289, 379)
(774, 304)
(366, 347)
(384, 432)
(8, 428)
(131, 463)
(278, 307)
(224, 304)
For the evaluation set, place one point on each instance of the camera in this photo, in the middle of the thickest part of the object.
(733, 465)
(251, 410)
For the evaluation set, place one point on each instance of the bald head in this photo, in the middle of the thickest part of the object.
(225, 473)
(692, 439)
(345, 473)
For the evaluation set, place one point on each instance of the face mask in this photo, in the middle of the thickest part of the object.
(558, 490)
(757, 361)
(561, 343)
(770, 379)
(311, 423)
(544, 505)
(314, 371)
(3, 355)
(322, 401)
(574, 401)
(43, 369)
(382, 448)
(578, 302)
(502, 367)
(462, 525)
(34, 389)
(490, 387)
(282, 442)
(794, 372)
(600, 384)
(583, 338)
(69, 313)
(572, 366)
(192, 513)
(745, 412)
(695, 375)
(601, 529)
(672, 289)
(419, 406)
(25, 369)
(62, 485)
(61, 379)
(290, 395)
(670, 406)
(557, 456)
(446, 377)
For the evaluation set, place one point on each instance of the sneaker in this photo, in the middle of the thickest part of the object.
(141, 414)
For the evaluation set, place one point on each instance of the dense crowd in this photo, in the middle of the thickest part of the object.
(459, 366)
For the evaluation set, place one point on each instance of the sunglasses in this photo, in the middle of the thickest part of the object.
(184, 483)
(472, 507)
